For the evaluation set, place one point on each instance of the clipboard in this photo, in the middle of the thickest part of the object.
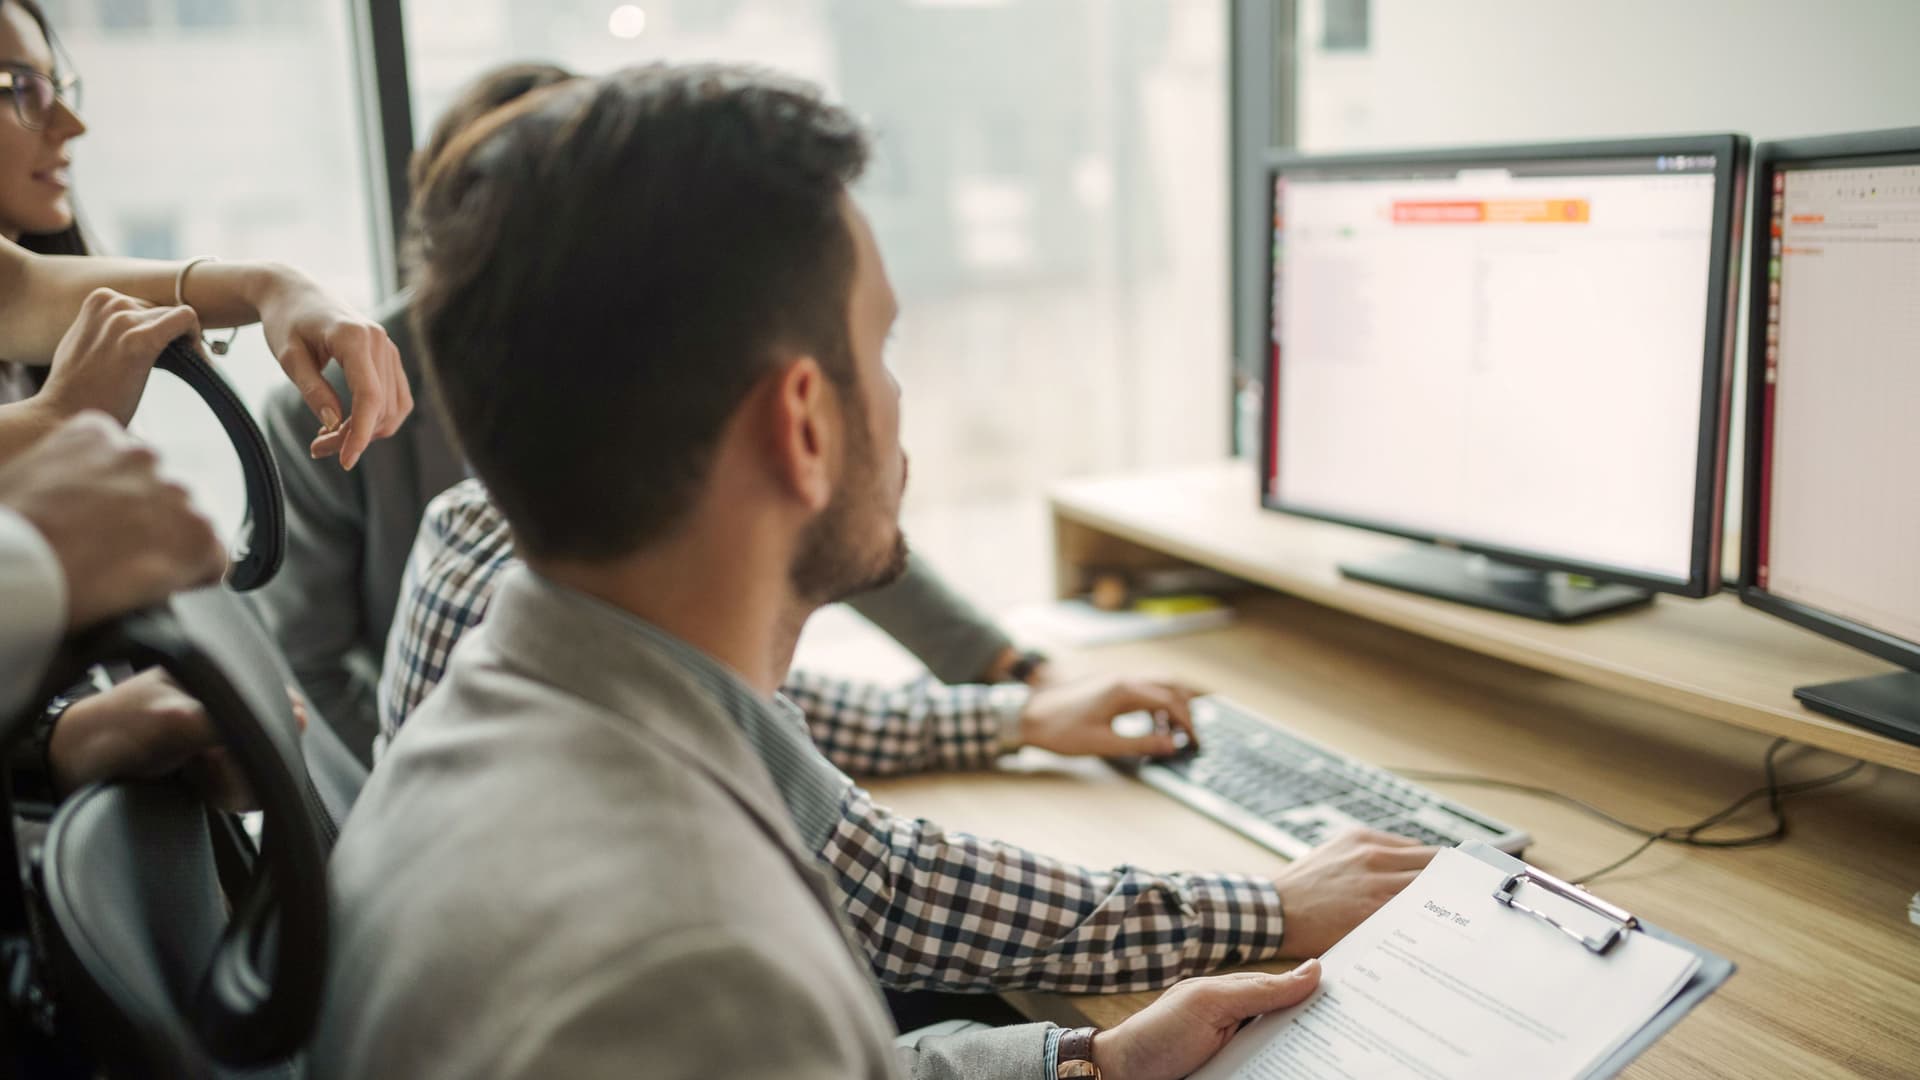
(1714, 969)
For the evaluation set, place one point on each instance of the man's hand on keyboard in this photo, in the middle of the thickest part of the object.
(1341, 883)
(1076, 718)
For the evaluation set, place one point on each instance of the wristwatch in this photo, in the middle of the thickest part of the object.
(1025, 664)
(1076, 1056)
(30, 768)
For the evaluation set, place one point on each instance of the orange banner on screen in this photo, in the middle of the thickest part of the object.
(1493, 212)
(1809, 219)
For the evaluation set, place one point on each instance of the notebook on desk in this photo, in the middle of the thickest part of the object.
(1483, 967)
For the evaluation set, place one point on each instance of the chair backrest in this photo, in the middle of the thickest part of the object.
(336, 773)
(139, 910)
(145, 951)
(264, 545)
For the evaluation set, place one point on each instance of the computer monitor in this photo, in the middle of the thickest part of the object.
(1518, 355)
(1831, 538)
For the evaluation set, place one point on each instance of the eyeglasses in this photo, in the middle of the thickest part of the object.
(34, 92)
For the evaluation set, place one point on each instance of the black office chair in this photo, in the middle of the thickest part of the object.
(173, 947)
(336, 773)
(263, 544)
(155, 965)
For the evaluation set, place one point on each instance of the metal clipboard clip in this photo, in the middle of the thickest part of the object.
(1622, 919)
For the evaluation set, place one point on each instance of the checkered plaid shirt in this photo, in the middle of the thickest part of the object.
(936, 910)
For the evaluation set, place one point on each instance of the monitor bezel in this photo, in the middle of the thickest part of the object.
(1730, 153)
(1835, 151)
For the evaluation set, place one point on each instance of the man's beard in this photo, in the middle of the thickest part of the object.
(831, 564)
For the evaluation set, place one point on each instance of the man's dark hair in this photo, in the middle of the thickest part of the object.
(606, 267)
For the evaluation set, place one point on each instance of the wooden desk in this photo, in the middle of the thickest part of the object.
(1829, 979)
(1715, 658)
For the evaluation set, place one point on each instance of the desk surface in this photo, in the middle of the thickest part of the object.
(1829, 979)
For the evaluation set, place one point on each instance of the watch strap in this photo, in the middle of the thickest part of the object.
(30, 766)
(1076, 1055)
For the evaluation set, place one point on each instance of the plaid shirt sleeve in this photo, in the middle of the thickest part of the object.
(947, 911)
(868, 729)
(462, 548)
(935, 910)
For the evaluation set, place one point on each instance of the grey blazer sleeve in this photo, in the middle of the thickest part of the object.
(949, 635)
(313, 605)
(1017, 1053)
(33, 596)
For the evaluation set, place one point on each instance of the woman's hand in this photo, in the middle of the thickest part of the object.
(306, 329)
(104, 358)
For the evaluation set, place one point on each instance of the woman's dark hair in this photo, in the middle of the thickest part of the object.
(487, 92)
(71, 240)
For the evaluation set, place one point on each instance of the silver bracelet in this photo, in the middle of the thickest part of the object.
(218, 348)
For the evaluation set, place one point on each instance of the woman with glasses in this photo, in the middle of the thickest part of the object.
(41, 292)
(36, 206)
(36, 209)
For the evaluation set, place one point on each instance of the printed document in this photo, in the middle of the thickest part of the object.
(1446, 983)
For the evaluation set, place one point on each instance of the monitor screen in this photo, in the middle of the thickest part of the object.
(1838, 522)
(1512, 355)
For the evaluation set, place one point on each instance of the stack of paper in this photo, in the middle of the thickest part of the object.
(1446, 983)
(1076, 623)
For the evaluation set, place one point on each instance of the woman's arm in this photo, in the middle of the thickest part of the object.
(41, 294)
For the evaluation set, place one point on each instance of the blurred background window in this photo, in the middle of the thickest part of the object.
(1050, 196)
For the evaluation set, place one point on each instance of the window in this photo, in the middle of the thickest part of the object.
(232, 130)
(1050, 193)
(124, 14)
(149, 236)
(204, 14)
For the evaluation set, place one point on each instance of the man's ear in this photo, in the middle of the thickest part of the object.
(805, 432)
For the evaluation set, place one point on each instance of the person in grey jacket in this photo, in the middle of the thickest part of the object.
(576, 860)
(332, 605)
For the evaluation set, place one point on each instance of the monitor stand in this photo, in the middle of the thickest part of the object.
(1450, 574)
(1886, 704)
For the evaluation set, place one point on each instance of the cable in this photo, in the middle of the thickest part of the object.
(1775, 792)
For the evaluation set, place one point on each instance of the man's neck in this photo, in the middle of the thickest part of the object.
(733, 604)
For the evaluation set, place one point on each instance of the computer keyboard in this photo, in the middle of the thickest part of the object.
(1291, 795)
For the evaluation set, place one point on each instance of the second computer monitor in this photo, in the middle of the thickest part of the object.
(1832, 537)
(1518, 353)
